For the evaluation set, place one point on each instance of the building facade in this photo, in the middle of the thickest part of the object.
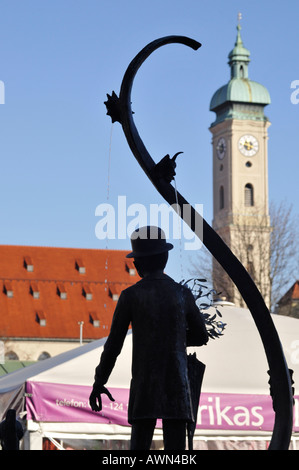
(240, 174)
(54, 299)
(289, 304)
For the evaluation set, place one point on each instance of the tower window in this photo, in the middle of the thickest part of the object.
(248, 195)
(250, 254)
(250, 265)
(221, 198)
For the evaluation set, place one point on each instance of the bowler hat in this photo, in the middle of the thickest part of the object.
(147, 241)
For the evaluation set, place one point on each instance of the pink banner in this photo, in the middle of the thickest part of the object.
(70, 403)
(217, 411)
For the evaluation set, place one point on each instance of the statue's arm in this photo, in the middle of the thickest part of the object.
(112, 348)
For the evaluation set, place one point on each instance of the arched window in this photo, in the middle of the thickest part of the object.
(241, 72)
(250, 253)
(11, 356)
(248, 195)
(44, 355)
(250, 264)
(221, 197)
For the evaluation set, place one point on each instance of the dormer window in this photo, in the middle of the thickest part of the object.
(114, 291)
(130, 267)
(7, 289)
(61, 291)
(34, 290)
(93, 318)
(86, 291)
(80, 266)
(41, 318)
(28, 264)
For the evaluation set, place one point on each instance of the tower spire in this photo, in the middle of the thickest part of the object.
(240, 177)
(239, 56)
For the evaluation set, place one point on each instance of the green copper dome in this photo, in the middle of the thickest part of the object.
(239, 90)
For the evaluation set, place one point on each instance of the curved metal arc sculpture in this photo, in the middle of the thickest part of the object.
(119, 108)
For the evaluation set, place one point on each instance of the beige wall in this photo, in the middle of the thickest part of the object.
(31, 350)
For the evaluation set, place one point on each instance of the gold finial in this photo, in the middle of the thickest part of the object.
(239, 18)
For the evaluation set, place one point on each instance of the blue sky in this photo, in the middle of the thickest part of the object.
(58, 59)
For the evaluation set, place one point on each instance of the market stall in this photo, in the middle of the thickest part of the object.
(235, 408)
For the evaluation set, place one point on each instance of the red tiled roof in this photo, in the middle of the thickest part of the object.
(53, 272)
(291, 294)
(295, 293)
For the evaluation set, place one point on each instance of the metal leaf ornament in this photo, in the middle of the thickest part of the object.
(215, 327)
(119, 108)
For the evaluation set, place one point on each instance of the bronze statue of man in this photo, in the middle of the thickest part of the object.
(161, 313)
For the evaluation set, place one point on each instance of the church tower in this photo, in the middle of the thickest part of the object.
(240, 173)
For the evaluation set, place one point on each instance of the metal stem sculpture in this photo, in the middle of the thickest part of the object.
(119, 108)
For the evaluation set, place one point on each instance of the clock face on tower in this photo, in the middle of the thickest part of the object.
(248, 145)
(221, 148)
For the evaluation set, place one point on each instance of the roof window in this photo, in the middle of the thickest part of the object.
(93, 318)
(7, 289)
(61, 291)
(86, 292)
(130, 267)
(34, 290)
(114, 291)
(80, 266)
(28, 264)
(41, 318)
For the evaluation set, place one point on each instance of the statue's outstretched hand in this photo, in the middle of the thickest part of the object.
(95, 399)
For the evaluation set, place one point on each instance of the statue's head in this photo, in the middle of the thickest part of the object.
(149, 249)
(148, 241)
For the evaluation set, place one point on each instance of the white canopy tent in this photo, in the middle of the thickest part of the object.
(235, 402)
